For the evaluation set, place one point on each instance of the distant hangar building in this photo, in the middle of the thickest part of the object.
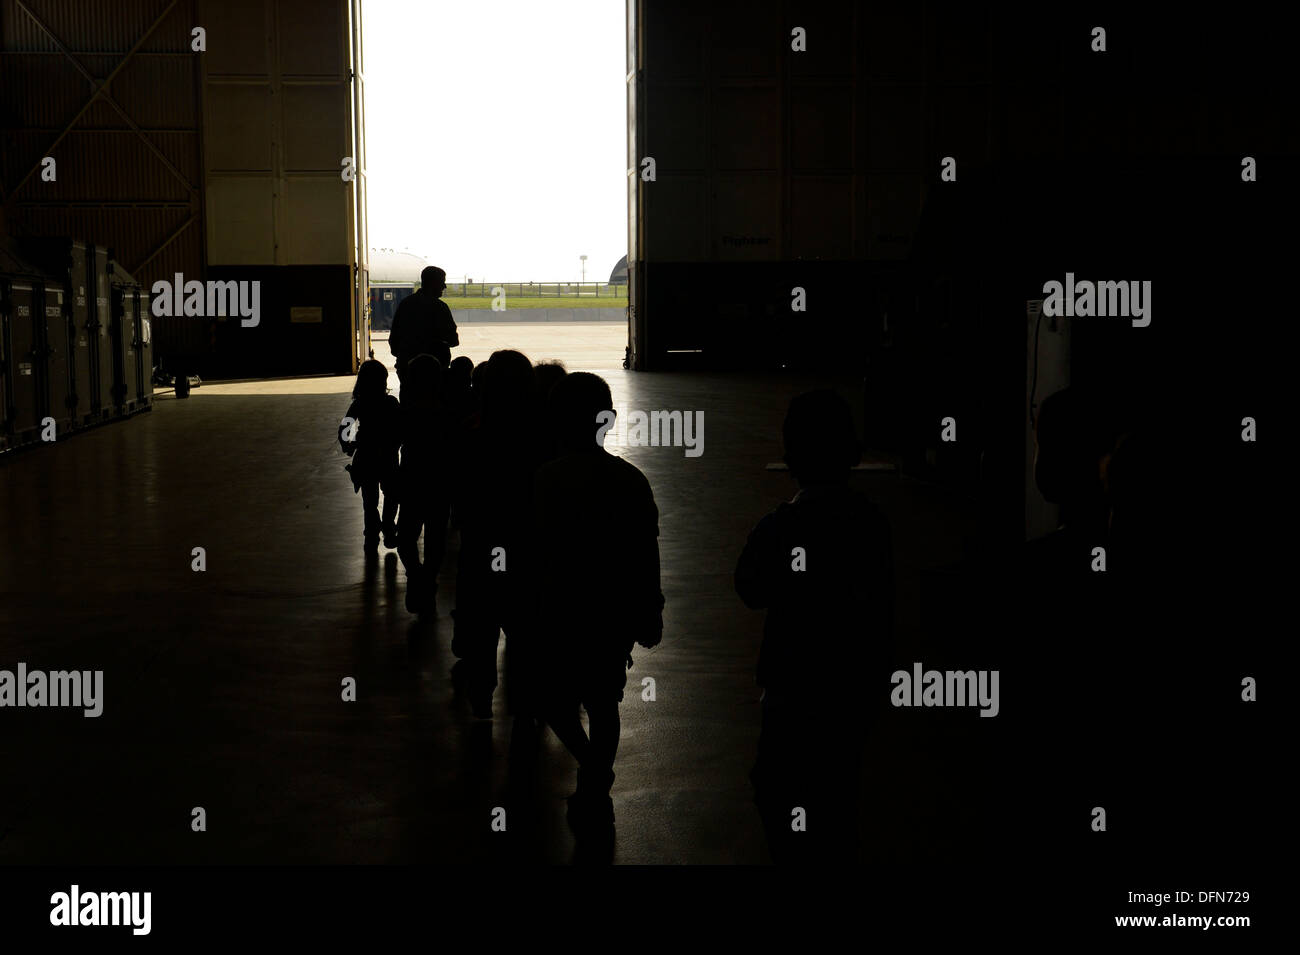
(619, 275)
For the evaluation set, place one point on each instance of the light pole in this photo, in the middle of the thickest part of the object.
(584, 267)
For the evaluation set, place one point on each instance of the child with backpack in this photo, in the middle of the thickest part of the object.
(369, 434)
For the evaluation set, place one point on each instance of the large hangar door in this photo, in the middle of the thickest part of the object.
(357, 199)
(636, 330)
(285, 180)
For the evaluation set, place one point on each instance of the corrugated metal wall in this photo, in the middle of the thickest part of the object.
(187, 160)
(129, 175)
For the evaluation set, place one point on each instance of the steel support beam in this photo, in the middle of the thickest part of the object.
(100, 88)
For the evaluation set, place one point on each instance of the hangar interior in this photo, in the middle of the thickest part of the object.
(771, 172)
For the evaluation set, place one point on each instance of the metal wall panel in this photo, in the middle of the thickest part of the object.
(674, 36)
(830, 48)
(821, 126)
(315, 129)
(315, 214)
(278, 120)
(895, 127)
(683, 144)
(284, 102)
(958, 43)
(741, 127)
(959, 125)
(894, 202)
(822, 217)
(746, 224)
(239, 40)
(674, 229)
(749, 45)
(241, 223)
(313, 38)
(239, 118)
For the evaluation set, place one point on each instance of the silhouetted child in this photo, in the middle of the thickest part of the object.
(369, 435)
(425, 480)
(1060, 617)
(462, 418)
(822, 567)
(547, 375)
(460, 402)
(1072, 437)
(597, 587)
(493, 505)
(476, 379)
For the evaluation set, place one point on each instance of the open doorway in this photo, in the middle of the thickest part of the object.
(496, 141)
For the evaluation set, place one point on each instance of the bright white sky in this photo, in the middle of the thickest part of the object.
(496, 135)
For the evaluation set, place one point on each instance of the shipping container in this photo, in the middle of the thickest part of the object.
(56, 367)
(76, 342)
(144, 352)
(20, 306)
(98, 328)
(121, 337)
(82, 357)
(128, 331)
(67, 262)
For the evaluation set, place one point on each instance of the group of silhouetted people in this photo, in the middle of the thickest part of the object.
(1077, 617)
(508, 452)
(559, 551)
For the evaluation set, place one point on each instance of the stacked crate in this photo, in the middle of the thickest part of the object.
(131, 341)
(75, 341)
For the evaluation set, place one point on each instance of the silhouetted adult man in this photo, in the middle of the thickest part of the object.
(423, 324)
